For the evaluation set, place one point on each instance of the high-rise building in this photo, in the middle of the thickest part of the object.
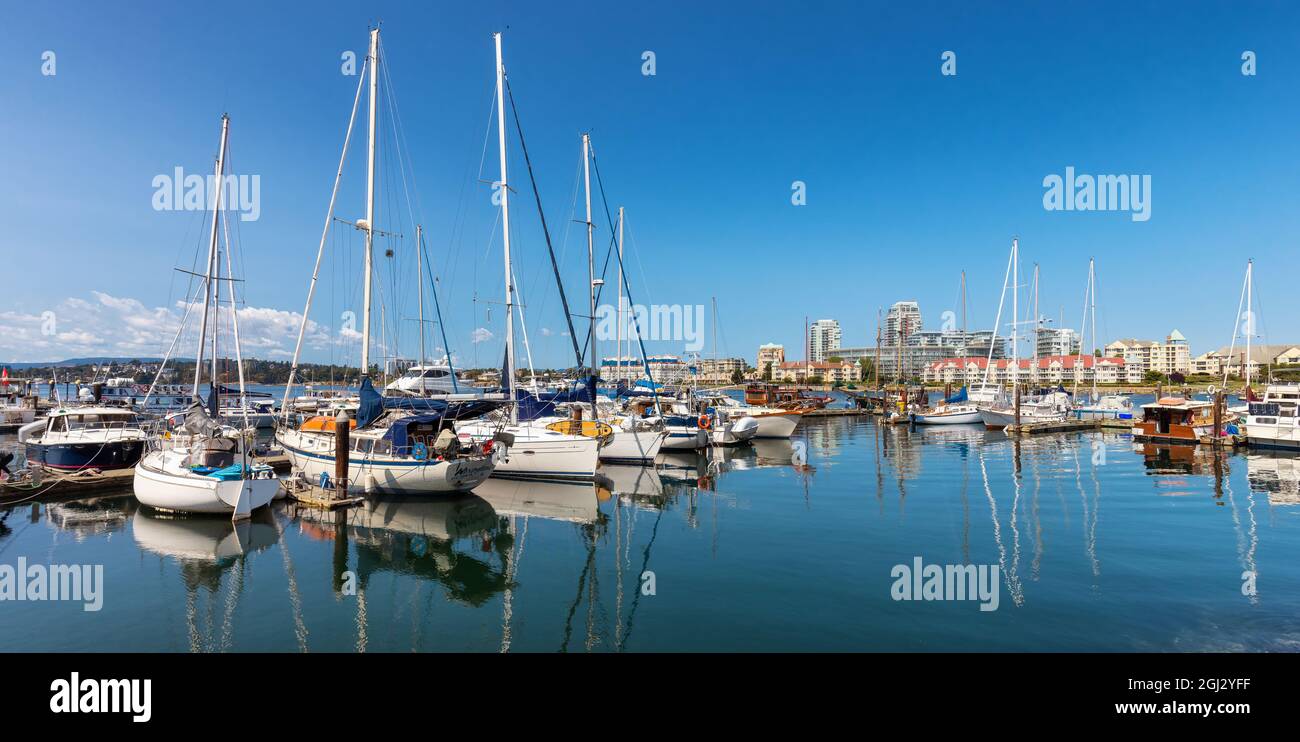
(903, 319)
(823, 339)
(1058, 341)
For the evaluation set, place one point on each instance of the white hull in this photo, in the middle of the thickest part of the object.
(685, 439)
(1273, 436)
(311, 454)
(966, 417)
(777, 425)
(540, 453)
(633, 446)
(160, 483)
(995, 419)
(737, 432)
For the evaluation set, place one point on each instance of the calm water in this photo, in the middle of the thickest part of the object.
(1101, 545)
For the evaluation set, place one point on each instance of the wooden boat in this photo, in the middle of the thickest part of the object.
(1177, 420)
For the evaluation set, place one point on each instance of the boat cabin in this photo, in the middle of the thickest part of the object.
(1175, 420)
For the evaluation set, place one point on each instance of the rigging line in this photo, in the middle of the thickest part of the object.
(446, 347)
(541, 214)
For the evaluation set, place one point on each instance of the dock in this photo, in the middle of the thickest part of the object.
(1055, 426)
(839, 412)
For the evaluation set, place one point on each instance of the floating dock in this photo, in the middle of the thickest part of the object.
(838, 412)
(1055, 426)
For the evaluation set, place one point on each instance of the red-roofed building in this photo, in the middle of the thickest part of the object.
(1055, 369)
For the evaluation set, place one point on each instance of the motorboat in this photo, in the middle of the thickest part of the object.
(1178, 420)
(77, 438)
(1108, 407)
(1274, 421)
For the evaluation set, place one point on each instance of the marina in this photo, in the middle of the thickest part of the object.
(673, 329)
(1102, 543)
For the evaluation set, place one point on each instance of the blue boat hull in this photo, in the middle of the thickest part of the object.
(72, 456)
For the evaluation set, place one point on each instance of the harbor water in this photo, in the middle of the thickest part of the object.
(1099, 544)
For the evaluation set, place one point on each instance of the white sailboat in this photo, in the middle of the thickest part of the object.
(537, 450)
(961, 408)
(1051, 407)
(205, 467)
(393, 451)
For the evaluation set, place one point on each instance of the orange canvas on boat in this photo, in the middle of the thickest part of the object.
(324, 424)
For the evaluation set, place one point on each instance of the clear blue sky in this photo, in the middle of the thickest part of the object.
(911, 176)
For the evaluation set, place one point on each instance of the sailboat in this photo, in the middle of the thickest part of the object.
(1098, 407)
(205, 467)
(390, 450)
(541, 447)
(1050, 407)
(959, 408)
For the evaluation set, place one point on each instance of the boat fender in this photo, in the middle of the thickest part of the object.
(705, 422)
(420, 452)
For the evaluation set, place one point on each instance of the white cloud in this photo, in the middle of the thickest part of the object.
(123, 326)
(482, 335)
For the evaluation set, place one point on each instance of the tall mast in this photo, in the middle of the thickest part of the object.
(1250, 319)
(1015, 314)
(618, 331)
(1038, 326)
(419, 263)
(508, 382)
(212, 255)
(1092, 292)
(370, 200)
(591, 250)
(964, 336)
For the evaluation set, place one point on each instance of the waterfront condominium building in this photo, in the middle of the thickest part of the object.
(1168, 357)
(823, 339)
(903, 319)
(668, 370)
(1058, 341)
(1233, 359)
(718, 370)
(770, 355)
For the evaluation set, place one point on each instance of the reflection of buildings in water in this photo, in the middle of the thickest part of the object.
(206, 548)
(88, 518)
(1275, 474)
(827, 435)
(901, 446)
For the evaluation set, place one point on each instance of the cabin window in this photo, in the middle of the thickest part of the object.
(1266, 420)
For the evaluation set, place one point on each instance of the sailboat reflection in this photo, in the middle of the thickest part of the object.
(212, 541)
(416, 536)
(636, 484)
(573, 502)
(206, 549)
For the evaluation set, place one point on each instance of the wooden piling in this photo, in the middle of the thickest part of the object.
(342, 445)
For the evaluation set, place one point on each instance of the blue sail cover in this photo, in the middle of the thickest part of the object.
(372, 404)
(452, 410)
(960, 396)
(533, 406)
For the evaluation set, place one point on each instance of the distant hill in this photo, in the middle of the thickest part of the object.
(91, 361)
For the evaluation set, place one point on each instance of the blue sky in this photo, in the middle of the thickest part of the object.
(911, 176)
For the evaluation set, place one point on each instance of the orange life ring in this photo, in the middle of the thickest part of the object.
(705, 422)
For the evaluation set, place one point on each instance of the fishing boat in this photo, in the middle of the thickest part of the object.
(1274, 422)
(401, 446)
(1177, 420)
(78, 438)
(205, 467)
(15, 409)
